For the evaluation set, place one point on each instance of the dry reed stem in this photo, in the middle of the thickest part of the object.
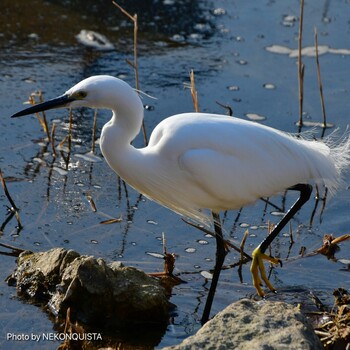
(61, 144)
(194, 92)
(67, 324)
(320, 82)
(135, 64)
(226, 242)
(13, 208)
(15, 251)
(164, 243)
(228, 108)
(42, 120)
(69, 139)
(330, 245)
(46, 128)
(317, 200)
(270, 227)
(291, 239)
(92, 203)
(169, 261)
(94, 132)
(324, 199)
(111, 221)
(241, 247)
(70, 130)
(169, 266)
(53, 139)
(4, 186)
(301, 66)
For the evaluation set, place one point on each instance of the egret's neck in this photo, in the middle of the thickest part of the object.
(126, 125)
(117, 135)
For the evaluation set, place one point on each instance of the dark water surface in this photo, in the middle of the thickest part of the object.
(226, 43)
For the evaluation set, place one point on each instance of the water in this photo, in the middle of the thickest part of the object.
(225, 42)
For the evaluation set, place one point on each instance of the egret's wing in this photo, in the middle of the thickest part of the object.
(237, 176)
(225, 178)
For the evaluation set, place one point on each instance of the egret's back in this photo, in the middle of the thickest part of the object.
(224, 163)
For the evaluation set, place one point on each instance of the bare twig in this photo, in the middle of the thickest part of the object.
(228, 108)
(70, 130)
(320, 82)
(169, 259)
(69, 138)
(291, 239)
(67, 324)
(3, 183)
(91, 202)
(94, 132)
(15, 251)
(124, 11)
(267, 201)
(330, 245)
(324, 199)
(134, 64)
(317, 200)
(53, 139)
(301, 66)
(270, 227)
(42, 120)
(194, 92)
(13, 208)
(241, 247)
(46, 128)
(111, 221)
(7, 220)
(169, 265)
(208, 232)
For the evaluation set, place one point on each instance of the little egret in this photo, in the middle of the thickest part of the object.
(197, 161)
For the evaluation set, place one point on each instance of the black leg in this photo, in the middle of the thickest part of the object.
(257, 268)
(220, 257)
(305, 193)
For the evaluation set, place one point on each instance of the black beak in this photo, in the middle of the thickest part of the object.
(61, 101)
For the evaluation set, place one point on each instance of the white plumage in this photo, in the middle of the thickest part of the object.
(198, 161)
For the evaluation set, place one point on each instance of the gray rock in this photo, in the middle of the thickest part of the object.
(248, 324)
(96, 293)
(37, 274)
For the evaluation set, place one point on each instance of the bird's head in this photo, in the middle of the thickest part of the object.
(101, 91)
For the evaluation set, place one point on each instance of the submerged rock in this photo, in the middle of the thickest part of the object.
(96, 293)
(248, 324)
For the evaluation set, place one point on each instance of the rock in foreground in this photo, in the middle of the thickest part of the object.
(96, 293)
(248, 324)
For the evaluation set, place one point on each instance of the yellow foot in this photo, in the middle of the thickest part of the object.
(258, 265)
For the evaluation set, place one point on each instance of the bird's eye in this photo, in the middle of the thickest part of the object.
(79, 95)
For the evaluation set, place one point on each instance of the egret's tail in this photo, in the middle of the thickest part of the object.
(337, 154)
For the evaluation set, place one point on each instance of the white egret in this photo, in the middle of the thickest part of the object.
(197, 161)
